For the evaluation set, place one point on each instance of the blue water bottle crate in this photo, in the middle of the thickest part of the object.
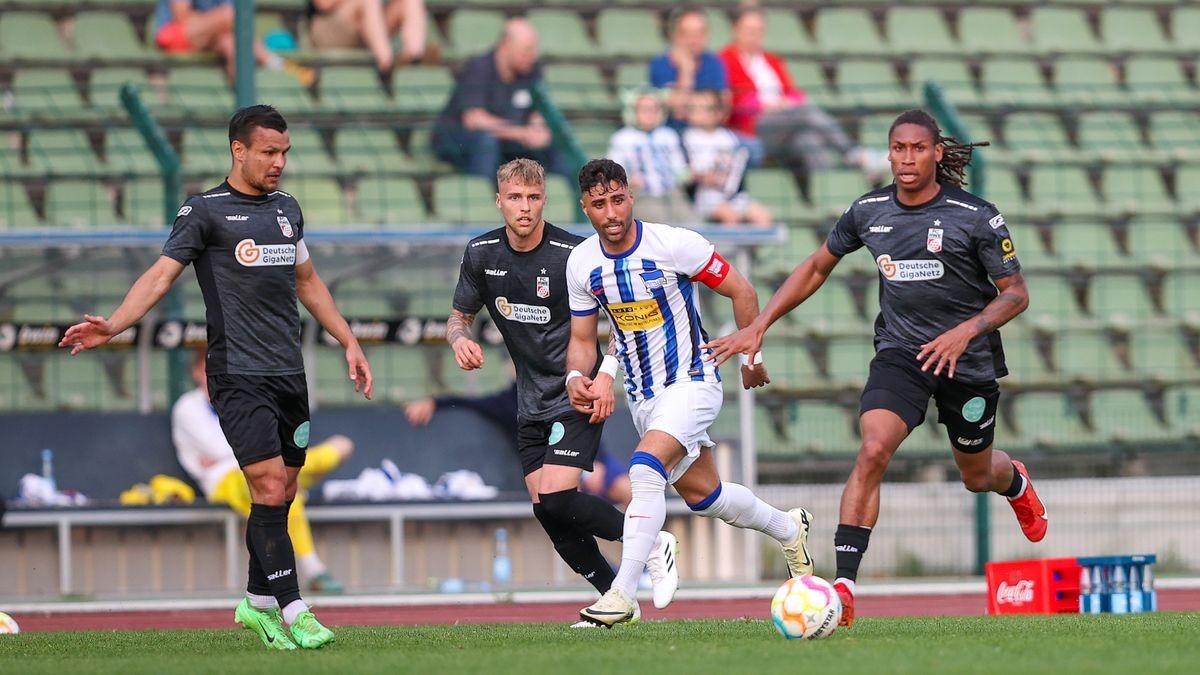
(1117, 584)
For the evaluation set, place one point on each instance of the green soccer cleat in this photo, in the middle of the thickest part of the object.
(309, 633)
(265, 623)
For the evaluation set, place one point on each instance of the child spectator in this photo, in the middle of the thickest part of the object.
(718, 163)
(652, 156)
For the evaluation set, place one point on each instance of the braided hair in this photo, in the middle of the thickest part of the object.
(956, 157)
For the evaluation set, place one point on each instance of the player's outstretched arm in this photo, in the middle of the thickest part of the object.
(944, 350)
(800, 284)
(145, 293)
(315, 296)
(745, 310)
(467, 352)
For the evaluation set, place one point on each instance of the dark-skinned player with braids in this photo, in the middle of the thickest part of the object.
(948, 279)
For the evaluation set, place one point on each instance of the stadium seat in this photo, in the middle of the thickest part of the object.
(1037, 137)
(206, 151)
(776, 188)
(1185, 28)
(1087, 356)
(421, 90)
(1003, 189)
(472, 31)
(593, 135)
(1189, 199)
(785, 32)
(629, 33)
(1062, 190)
(840, 30)
(365, 150)
(355, 90)
(1049, 420)
(31, 36)
(990, 30)
(1183, 411)
(308, 155)
(1160, 355)
(15, 207)
(1111, 294)
(50, 92)
(1085, 80)
(562, 201)
(1110, 136)
(1136, 189)
(1159, 80)
(919, 30)
(1051, 300)
(105, 36)
(834, 190)
(1180, 297)
(195, 90)
(822, 428)
(1087, 243)
(283, 91)
(631, 76)
(1008, 81)
(80, 203)
(464, 200)
(562, 33)
(322, 199)
(104, 89)
(1058, 30)
(1176, 133)
(1123, 416)
(1025, 365)
(143, 199)
(421, 155)
(849, 360)
(127, 154)
(390, 201)
(63, 152)
(808, 75)
(790, 365)
(951, 73)
(1131, 30)
(871, 84)
(720, 30)
(577, 87)
(1158, 241)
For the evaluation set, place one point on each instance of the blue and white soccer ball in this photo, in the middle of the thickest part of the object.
(806, 608)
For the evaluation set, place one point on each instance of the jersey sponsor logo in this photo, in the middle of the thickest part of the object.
(543, 287)
(1010, 251)
(909, 270)
(284, 226)
(515, 311)
(237, 218)
(933, 242)
(637, 315)
(654, 279)
(997, 221)
(484, 242)
(880, 229)
(183, 211)
(494, 273)
(962, 204)
(250, 254)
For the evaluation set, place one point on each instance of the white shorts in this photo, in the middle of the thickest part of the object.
(685, 410)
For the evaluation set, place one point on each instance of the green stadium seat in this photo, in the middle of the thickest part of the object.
(283, 91)
(631, 76)
(126, 153)
(951, 73)
(1128, 29)
(1064, 190)
(834, 190)
(629, 33)
(421, 155)
(1136, 189)
(1176, 133)
(785, 32)
(1014, 82)
(206, 151)
(1183, 411)
(1189, 199)
(1124, 416)
(872, 83)
(790, 365)
(1180, 297)
(1021, 356)
(1161, 355)
(1086, 243)
(464, 200)
(849, 359)
(592, 135)
(1058, 30)
(1111, 294)
(562, 201)
(1156, 240)
(840, 30)
(15, 207)
(355, 90)
(49, 92)
(80, 203)
(1048, 420)
(105, 88)
(421, 90)
(777, 189)
(143, 198)
(308, 155)
(366, 150)
(1159, 80)
(1185, 28)
(578, 87)
(1111, 136)
(1087, 357)
(1051, 300)
(1084, 80)
(808, 75)
(322, 199)
(29, 36)
(384, 200)
(62, 152)
(822, 428)
(197, 90)
(990, 30)
(720, 30)
(562, 33)
(106, 36)
(1037, 137)
(919, 30)
(473, 31)
(1003, 188)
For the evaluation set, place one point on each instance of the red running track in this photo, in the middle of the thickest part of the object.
(869, 606)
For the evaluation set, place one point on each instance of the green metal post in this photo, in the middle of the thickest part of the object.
(243, 37)
(560, 129)
(947, 115)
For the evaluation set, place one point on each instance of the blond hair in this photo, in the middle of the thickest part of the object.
(522, 171)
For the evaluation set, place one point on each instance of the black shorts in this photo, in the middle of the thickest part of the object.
(263, 416)
(566, 440)
(967, 409)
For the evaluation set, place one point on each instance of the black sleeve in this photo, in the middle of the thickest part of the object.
(467, 297)
(474, 82)
(994, 246)
(189, 236)
(843, 238)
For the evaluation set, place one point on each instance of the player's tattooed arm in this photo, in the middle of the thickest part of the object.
(1012, 300)
(458, 326)
(944, 350)
(467, 352)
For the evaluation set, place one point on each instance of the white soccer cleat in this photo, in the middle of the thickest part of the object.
(795, 552)
(663, 570)
(612, 608)
(637, 616)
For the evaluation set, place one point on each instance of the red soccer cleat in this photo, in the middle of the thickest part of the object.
(1031, 512)
(847, 598)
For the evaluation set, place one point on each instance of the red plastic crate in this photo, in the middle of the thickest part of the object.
(1045, 586)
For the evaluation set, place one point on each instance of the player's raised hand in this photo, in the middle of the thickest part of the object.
(745, 341)
(468, 354)
(755, 376)
(600, 391)
(360, 371)
(579, 393)
(92, 332)
(944, 350)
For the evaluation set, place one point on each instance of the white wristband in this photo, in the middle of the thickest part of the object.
(609, 366)
(746, 359)
(572, 375)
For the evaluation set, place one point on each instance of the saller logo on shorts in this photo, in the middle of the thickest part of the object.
(250, 254)
(514, 311)
(909, 270)
(639, 315)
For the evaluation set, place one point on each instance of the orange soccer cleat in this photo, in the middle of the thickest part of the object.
(847, 597)
(1031, 512)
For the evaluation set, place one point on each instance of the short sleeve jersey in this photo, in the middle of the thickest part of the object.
(651, 302)
(478, 85)
(244, 248)
(525, 293)
(936, 261)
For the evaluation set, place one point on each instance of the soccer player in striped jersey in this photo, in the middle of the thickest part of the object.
(644, 276)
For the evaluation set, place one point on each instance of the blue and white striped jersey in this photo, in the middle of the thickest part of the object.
(649, 294)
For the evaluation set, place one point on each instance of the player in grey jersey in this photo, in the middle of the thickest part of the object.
(949, 278)
(519, 273)
(246, 238)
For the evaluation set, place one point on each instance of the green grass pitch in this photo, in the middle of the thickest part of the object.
(1136, 644)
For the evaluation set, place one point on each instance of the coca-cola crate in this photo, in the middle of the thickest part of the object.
(1045, 586)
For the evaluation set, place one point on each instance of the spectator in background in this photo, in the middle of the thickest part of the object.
(687, 65)
(190, 26)
(334, 24)
(766, 103)
(652, 156)
(205, 454)
(489, 119)
(718, 162)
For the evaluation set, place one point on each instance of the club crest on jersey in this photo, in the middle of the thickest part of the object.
(284, 225)
(543, 287)
(934, 241)
(654, 279)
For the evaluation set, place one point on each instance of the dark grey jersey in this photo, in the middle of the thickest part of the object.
(245, 250)
(526, 295)
(935, 261)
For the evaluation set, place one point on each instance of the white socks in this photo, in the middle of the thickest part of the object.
(643, 519)
(262, 601)
(737, 505)
(293, 610)
(267, 602)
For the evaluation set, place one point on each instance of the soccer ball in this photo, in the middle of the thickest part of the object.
(8, 625)
(806, 608)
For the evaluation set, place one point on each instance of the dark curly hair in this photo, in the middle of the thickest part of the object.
(601, 172)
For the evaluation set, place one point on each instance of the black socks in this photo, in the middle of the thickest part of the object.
(577, 548)
(1017, 484)
(849, 545)
(585, 512)
(272, 559)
